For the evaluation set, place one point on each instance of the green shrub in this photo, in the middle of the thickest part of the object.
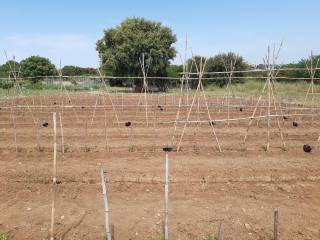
(73, 81)
(6, 85)
(3, 236)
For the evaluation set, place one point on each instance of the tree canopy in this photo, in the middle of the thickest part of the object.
(36, 66)
(78, 71)
(219, 63)
(303, 63)
(121, 47)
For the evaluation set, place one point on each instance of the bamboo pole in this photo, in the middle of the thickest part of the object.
(178, 113)
(200, 69)
(61, 131)
(54, 173)
(106, 206)
(185, 67)
(145, 69)
(254, 112)
(269, 101)
(228, 88)
(188, 116)
(268, 118)
(68, 95)
(209, 115)
(270, 67)
(14, 129)
(94, 109)
(106, 145)
(108, 94)
(278, 123)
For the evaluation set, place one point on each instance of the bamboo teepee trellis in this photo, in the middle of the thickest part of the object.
(107, 92)
(270, 65)
(200, 71)
(229, 71)
(184, 81)
(312, 69)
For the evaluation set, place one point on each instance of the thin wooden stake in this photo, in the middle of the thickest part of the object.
(268, 118)
(106, 206)
(106, 145)
(14, 129)
(61, 131)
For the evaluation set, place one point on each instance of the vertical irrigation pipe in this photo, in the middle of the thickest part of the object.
(166, 192)
(105, 201)
(54, 175)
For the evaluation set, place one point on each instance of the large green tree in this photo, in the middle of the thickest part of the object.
(121, 47)
(222, 62)
(219, 63)
(36, 66)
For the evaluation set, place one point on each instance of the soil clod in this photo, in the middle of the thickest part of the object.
(307, 148)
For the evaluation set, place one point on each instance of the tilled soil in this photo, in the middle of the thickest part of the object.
(239, 187)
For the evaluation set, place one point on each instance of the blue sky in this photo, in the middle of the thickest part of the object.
(68, 30)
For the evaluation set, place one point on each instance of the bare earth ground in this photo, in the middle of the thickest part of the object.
(239, 187)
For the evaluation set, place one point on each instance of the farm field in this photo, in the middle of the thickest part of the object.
(239, 187)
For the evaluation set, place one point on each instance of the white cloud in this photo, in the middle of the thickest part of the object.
(71, 49)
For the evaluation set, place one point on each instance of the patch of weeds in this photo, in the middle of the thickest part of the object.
(158, 237)
(49, 237)
(196, 149)
(131, 149)
(208, 237)
(66, 148)
(3, 236)
(73, 82)
(19, 148)
(268, 237)
(40, 148)
(86, 149)
(152, 148)
(108, 149)
(44, 180)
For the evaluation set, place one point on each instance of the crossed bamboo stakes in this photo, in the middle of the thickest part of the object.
(270, 65)
(200, 71)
